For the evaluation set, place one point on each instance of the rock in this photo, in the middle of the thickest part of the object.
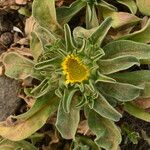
(9, 101)
(6, 38)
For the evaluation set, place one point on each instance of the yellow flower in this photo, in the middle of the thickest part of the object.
(74, 69)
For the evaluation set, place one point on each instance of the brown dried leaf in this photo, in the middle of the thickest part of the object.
(83, 128)
(21, 2)
(143, 103)
(29, 26)
(59, 3)
(7, 3)
(22, 50)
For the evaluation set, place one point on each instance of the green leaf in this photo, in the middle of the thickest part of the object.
(137, 112)
(67, 123)
(108, 66)
(120, 91)
(45, 37)
(103, 78)
(20, 145)
(31, 121)
(35, 46)
(95, 35)
(130, 4)
(17, 66)
(119, 18)
(102, 107)
(64, 14)
(144, 6)
(98, 36)
(68, 39)
(137, 78)
(104, 5)
(107, 134)
(139, 36)
(91, 17)
(126, 48)
(67, 98)
(45, 14)
(84, 143)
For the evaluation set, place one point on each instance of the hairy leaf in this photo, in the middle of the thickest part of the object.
(139, 36)
(120, 91)
(107, 134)
(98, 36)
(140, 78)
(102, 107)
(108, 66)
(126, 48)
(64, 14)
(67, 123)
(119, 18)
(31, 121)
(136, 111)
(144, 6)
(17, 66)
(20, 145)
(45, 14)
(91, 17)
(35, 46)
(130, 4)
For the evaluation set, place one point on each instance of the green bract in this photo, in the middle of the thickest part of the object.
(79, 72)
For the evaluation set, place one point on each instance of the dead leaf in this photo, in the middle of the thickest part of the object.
(7, 3)
(143, 103)
(59, 3)
(29, 100)
(21, 2)
(29, 25)
(22, 50)
(1, 70)
(83, 128)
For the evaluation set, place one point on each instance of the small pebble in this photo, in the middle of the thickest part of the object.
(6, 38)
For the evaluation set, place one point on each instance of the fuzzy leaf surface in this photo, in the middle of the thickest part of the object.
(67, 123)
(45, 14)
(139, 36)
(102, 107)
(120, 91)
(144, 6)
(31, 121)
(17, 66)
(20, 145)
(126, 48)
(107, 134)
(137, 112)
(130, 4)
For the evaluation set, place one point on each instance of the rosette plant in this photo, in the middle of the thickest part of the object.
(77, 72)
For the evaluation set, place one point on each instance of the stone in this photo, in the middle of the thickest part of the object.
(9, 101)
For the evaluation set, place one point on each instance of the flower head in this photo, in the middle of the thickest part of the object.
(74, 69)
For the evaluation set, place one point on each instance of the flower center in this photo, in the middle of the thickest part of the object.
(74, 69)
